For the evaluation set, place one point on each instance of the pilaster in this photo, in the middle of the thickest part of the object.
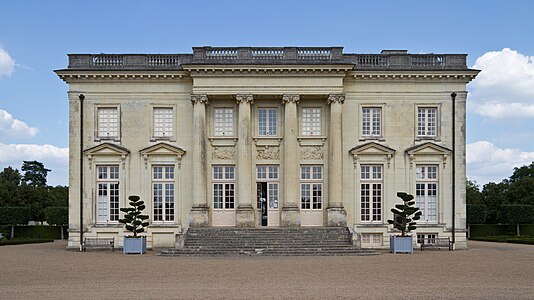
(245, 211)
(290, 215)
(337, 216)
(199, 215)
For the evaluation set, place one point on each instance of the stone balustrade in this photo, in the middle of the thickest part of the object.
(386, 60)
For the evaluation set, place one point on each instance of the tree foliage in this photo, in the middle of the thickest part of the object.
(134, 220)
(14, 215)
(405, 215)
(30, 190)
(505, 202)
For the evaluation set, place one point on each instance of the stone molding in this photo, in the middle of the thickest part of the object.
(223, 153)
(287, 98)
(244, 98)
(312, 153)
(270, 153)
(202, 99)
(337, 98)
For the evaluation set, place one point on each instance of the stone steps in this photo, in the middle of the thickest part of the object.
(232, 241)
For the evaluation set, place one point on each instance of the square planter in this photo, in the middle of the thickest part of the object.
(400, 244)
(134, 245)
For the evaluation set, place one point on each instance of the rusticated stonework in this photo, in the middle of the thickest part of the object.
(315, 152)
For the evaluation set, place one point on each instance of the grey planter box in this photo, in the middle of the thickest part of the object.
(134, 245)
(400, 244)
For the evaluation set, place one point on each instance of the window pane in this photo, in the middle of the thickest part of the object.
(163, 122)
(108, 120)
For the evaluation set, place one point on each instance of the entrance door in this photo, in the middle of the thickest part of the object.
(267, 195)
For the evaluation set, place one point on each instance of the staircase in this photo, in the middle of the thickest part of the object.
(304, 241)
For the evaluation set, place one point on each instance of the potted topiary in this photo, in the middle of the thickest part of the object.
(135, 223)
(404, 217)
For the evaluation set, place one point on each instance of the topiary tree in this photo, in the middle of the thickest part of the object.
(134, 219)
(405, 214)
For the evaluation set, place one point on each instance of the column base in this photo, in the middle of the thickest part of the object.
(199, 217)
(337, 217)
(244, 217)
(290, 217)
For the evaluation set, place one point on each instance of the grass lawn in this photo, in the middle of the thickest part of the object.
(506, 239)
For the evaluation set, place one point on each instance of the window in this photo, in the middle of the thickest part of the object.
(427, 121)
(429, 238)
(267, 121)
(372, 239)
(224, 122)
(311, 121)
(223, 187)
(311, 187)
(163, 122)
(371, 121)
(163, 193)
(107, 183)
(268, 175)
(426, 192)
(108, 122)
(371, 193)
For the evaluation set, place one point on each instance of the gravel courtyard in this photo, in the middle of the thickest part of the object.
(486, 271)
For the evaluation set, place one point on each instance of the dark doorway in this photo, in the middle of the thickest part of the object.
(261, 195)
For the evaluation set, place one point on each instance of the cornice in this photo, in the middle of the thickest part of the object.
(74, 75)
(210, 70)
(462, 75)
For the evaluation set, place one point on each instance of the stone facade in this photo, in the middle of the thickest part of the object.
(324, 138)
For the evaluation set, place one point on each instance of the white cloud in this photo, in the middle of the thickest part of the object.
(7, 64)
(486, 162)
(11, 127)
(505, 86)
(54, 158)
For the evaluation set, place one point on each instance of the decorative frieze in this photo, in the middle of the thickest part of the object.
(223, 153)
(312, 153)
(268, 153)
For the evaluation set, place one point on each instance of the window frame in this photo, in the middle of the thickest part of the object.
(371, 136)
(268, 122)
(311, 183)
(437, 122)
(316, 126)
(108, 181)
(372, 217)
(426, 182)
(224, 131)
(97, 121)
(164, 137)
(168, 215)
(225, 182)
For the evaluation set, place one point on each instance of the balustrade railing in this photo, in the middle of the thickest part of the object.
(387, 60)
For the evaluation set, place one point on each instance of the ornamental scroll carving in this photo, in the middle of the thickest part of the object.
(315, 152)
(202, 99)
(336, 98)
(244, 98)
(223, 153)
(268, 153)
(287, 98)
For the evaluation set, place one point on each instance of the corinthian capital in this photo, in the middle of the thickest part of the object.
(202, 99)
(339, 98)
(244, 98)
(286, 98)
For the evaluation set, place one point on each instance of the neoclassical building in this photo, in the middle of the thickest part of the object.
(318, 136)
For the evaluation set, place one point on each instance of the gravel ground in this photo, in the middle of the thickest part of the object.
(486, 271)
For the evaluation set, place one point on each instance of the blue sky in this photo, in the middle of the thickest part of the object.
(35, 37)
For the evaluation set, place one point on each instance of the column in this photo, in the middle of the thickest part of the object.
(199, 215)
(245, 212)
(337, 216)
(290, 215)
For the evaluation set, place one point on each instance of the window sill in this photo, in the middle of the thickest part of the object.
(163, 225)
(160, 139)
(222, 140)
(109, 225)
(370, 225)
(428, 138)
(372, 138)
(311, 140)
(102, 139)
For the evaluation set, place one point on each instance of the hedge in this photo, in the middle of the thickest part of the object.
(23, 241)
(516, 214)
(476, 214)
(57, 215)
(36, 231)
(479, 230)
(15, 215)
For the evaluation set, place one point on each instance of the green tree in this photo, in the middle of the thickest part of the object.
(9, 187)
(34, 173)
(134, 220)
(405, 215)
(473, 196)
